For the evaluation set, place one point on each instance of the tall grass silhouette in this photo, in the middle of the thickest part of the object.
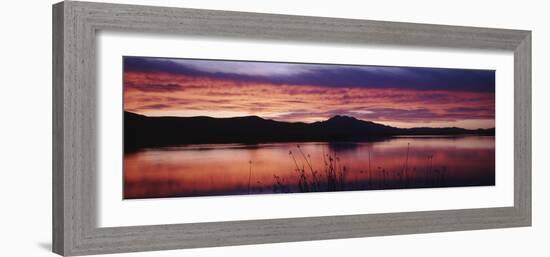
(331, 175)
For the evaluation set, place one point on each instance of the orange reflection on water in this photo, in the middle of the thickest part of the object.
(408, 162)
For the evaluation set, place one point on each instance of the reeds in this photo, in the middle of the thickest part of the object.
(312, 181)
(370, 171)
(249, 174)
(332, 174)
(406, 165)
(434, 176)
(279, 185)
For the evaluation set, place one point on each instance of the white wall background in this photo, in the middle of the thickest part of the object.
(25, 128)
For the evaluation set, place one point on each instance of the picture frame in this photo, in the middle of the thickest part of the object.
(75, 26)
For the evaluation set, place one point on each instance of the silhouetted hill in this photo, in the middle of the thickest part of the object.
(142, 131)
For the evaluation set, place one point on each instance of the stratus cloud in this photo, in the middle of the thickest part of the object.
(167, 94)
(345, 76)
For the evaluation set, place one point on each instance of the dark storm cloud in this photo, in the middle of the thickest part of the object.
(155, 107)
(335, 76)
(171, 87)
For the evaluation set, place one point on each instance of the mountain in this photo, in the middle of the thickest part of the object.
(142, 131)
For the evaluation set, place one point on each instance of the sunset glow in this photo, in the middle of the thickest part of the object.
(396, 96)
(214, 127)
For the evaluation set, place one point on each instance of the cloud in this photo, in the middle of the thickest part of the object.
(154, 107)
(153, 87)
(167, 94)
(424, 114)
(399, 114)
(243, 67)
(325, 75)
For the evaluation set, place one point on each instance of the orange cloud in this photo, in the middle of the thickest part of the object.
(163, 94)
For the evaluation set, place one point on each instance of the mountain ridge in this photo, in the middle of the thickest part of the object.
(144, 131)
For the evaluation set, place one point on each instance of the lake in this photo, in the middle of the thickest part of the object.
(236, 169)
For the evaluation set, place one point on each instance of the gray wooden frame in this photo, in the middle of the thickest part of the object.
(75, 25)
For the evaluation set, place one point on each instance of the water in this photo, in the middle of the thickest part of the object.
(405, 162)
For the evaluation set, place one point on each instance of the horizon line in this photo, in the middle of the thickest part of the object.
(338, 115)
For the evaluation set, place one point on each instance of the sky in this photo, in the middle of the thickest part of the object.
(297, 92)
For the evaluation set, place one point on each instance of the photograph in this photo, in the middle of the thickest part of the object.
(229, 128)
(197, 127)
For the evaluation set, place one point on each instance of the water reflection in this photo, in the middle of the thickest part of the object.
(408, 162)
